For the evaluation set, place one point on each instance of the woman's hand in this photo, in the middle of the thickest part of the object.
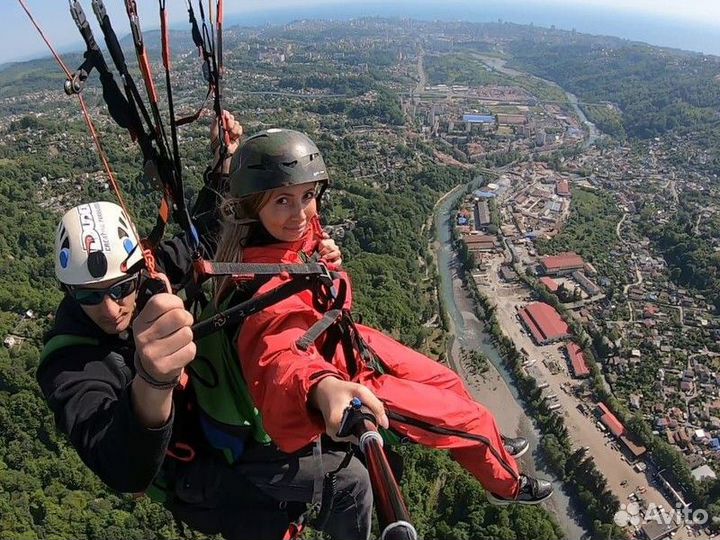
(331, 396)
(329, 251)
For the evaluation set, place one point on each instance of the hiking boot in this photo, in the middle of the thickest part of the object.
(516, 446)
(532, 491)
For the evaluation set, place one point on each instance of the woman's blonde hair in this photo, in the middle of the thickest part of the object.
(239, 216)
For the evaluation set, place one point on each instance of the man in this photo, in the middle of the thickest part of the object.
(111, 387)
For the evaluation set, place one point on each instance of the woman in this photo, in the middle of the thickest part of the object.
(301, 383)
(108, 372)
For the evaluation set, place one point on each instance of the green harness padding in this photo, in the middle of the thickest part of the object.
(61, 341)
(222, 395)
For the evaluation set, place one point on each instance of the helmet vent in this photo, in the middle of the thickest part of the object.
(122, 233)
(97, 264)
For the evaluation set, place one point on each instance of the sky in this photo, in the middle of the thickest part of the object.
(689, 24)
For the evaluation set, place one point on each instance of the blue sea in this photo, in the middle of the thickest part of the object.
(21, 44)
(648, 28)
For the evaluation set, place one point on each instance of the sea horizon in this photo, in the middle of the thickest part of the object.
(642, 27)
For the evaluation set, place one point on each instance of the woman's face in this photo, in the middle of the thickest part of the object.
(287, 214)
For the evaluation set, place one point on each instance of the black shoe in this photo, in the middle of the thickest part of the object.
(516, 447)
(532, 491)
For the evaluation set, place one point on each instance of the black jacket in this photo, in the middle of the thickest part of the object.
(88, 389)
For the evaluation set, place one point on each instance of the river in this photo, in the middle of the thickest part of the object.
(470, 333)
(499, 65)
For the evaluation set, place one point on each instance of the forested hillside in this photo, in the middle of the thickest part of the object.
(631, 88)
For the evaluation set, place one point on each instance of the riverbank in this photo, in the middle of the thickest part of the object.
(494, 388)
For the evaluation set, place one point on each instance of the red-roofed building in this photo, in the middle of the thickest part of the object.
(577, 361)
(550, 283)
(564, 263)
(562, 188)
(544, 323)
(610, 420)
(634, 449)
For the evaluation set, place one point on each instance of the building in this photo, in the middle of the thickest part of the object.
(704, 471)
(550, 283)
(656, 530)
(544, 323)
(563, 263)
(508, 274)
(609, 420)
(590, 269)
(481, 242)
(586, 284)
(635, 450)
(562, 188)
(478, 118)
(577, 361)
(482, 215)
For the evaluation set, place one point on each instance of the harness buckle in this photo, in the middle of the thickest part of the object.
(326, 280)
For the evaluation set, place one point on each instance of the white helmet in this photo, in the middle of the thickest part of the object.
(95, 242)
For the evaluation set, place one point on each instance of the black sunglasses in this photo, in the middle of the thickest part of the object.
(93, 297)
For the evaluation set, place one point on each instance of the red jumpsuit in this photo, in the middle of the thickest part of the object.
(280, 377)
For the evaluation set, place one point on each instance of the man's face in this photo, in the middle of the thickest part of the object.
(116, 297)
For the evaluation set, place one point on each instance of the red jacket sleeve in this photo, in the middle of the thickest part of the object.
(280, 376)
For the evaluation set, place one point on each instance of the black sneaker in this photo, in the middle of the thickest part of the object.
(516, 447)
(532, 491)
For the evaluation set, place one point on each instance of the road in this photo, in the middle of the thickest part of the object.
(638, 281)
(617, 228)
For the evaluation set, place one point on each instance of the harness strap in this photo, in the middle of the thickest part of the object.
(323, 500)
(208, 269)
(318, 474)
(237, 313)
(65, 340)
(329, 492)
(356, 341)
(318, 329)
(118, 57)
(452, 432)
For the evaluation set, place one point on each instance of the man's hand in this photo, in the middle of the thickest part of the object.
(331, 396)
(163, 337)
(233, 135)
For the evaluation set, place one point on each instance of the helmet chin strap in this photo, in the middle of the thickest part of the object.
(245, 221)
